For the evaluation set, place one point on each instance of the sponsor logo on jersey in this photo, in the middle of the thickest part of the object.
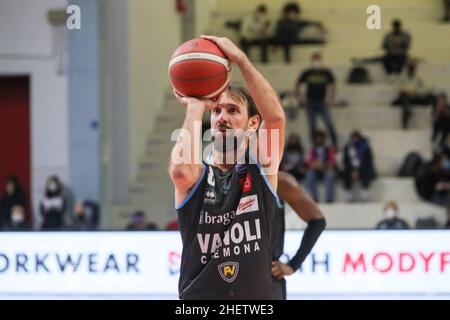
(240, 238)
(248, 204)
(228, 271)
(246, 183)
(225, 219)
(226, 186)
(210, 197)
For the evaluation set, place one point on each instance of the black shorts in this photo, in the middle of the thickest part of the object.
(278, 289)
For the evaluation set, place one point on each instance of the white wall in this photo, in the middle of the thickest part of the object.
(115, 110)
(203, 9)
(154, 33)
(26, 48)
(24, 25)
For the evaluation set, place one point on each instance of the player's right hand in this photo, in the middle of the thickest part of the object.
(229, 48)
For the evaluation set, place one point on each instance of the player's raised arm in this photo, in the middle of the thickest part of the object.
(263, 94)
(185, 165)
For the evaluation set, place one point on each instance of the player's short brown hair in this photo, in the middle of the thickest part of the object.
(241, 94)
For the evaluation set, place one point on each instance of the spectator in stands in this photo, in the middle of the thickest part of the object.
(412, 92)
(139, 223)
(320, 94)
(294, 157)
(254, 31)
(391, 219)
(358, 166)
(396, 45)
(289, 29)
(427, 176)
(13, 195)
(441, 120)
(321, 163)
(17, 219)
(441, 181)
(86, 216)
(53, 205)
(446, 148)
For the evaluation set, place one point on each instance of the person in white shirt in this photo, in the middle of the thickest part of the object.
(254, 31)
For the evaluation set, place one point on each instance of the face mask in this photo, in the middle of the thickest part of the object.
(17, 217)
(9, 189)
(316, 64)
(390, 213)
(52, 187)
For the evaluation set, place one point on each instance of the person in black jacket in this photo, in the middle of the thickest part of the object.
(13, 196)
(294, 157)
(358, 165)
(441, 120)
(290, 26)
(53, 205)
(391, 220)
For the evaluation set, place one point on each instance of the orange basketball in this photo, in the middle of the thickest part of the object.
(198, 68)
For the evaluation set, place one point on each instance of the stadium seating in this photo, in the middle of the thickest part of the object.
(368, 108)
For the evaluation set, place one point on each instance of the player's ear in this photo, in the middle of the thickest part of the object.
(254, 122)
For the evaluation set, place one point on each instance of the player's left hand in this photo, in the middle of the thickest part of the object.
(280, 269)
(229, 48)
(207, 104)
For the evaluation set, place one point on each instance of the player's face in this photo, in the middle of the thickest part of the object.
(229, 120)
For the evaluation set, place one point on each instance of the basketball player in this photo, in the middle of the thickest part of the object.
(224, 208)
(308, 211)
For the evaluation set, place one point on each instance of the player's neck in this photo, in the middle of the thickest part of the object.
(226, 160)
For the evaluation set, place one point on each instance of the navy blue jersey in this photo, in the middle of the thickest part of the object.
(225, 225)
(278, 229)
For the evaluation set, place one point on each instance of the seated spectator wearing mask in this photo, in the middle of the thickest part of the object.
(289, 29)
(86, 216)
(391, 220)
(412, 91)
(13, 195)
(358, 166)
(254, 31)
(396, 45)
(139, 223)
(294, 157)
(321, 162)
(441, 120)
(441, 194)
(53, 204)
(17, 219)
